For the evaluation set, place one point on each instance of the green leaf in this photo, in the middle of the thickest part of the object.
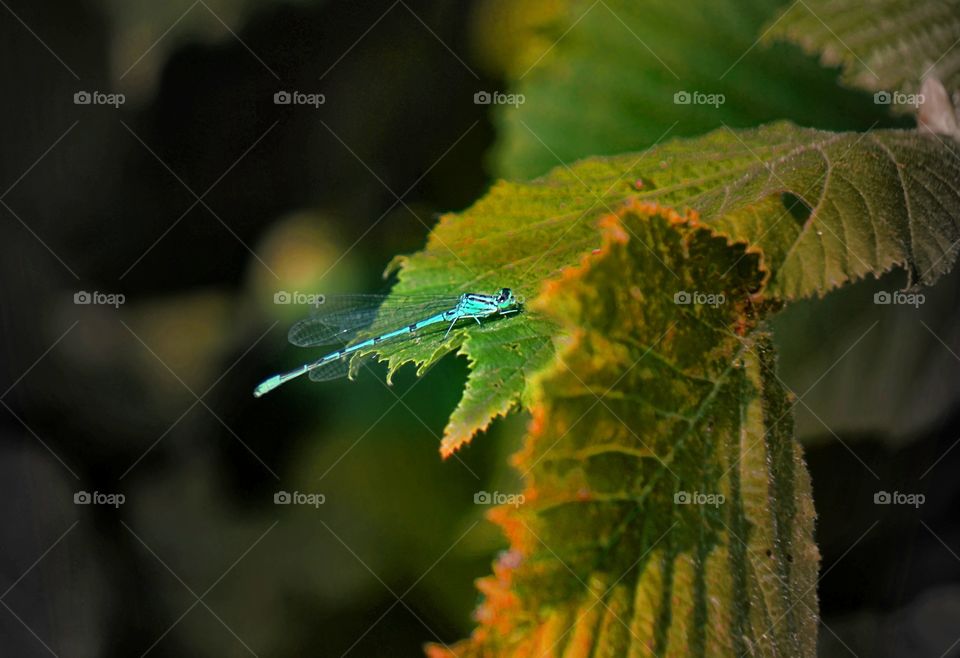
(828, 208)
(649, 404)
(889, 45)
(600, 79)
(820, 208)
(515, 353)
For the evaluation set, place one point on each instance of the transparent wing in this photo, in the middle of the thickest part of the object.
(342, 318)
(332, 370)
(331, 325)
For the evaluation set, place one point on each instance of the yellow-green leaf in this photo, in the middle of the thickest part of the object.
(667, 508)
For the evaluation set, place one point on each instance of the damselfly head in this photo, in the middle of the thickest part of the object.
(506, 299)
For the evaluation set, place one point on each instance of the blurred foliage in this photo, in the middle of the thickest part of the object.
(871, 370)
(185, 333)
(507, 34)
(600, 78)
(300, 252)
(145, 33)
(377, 479)
(293, 209)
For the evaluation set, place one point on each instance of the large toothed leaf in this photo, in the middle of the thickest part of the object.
(889, 45)
(820, 208)
(828, 208)
(599, 78)
(667, 508)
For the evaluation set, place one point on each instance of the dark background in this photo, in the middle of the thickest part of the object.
(105, 399)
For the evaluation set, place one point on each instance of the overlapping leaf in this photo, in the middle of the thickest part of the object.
(668, 510)
(820, 208)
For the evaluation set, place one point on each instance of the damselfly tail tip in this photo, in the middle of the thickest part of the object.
(266, 386)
